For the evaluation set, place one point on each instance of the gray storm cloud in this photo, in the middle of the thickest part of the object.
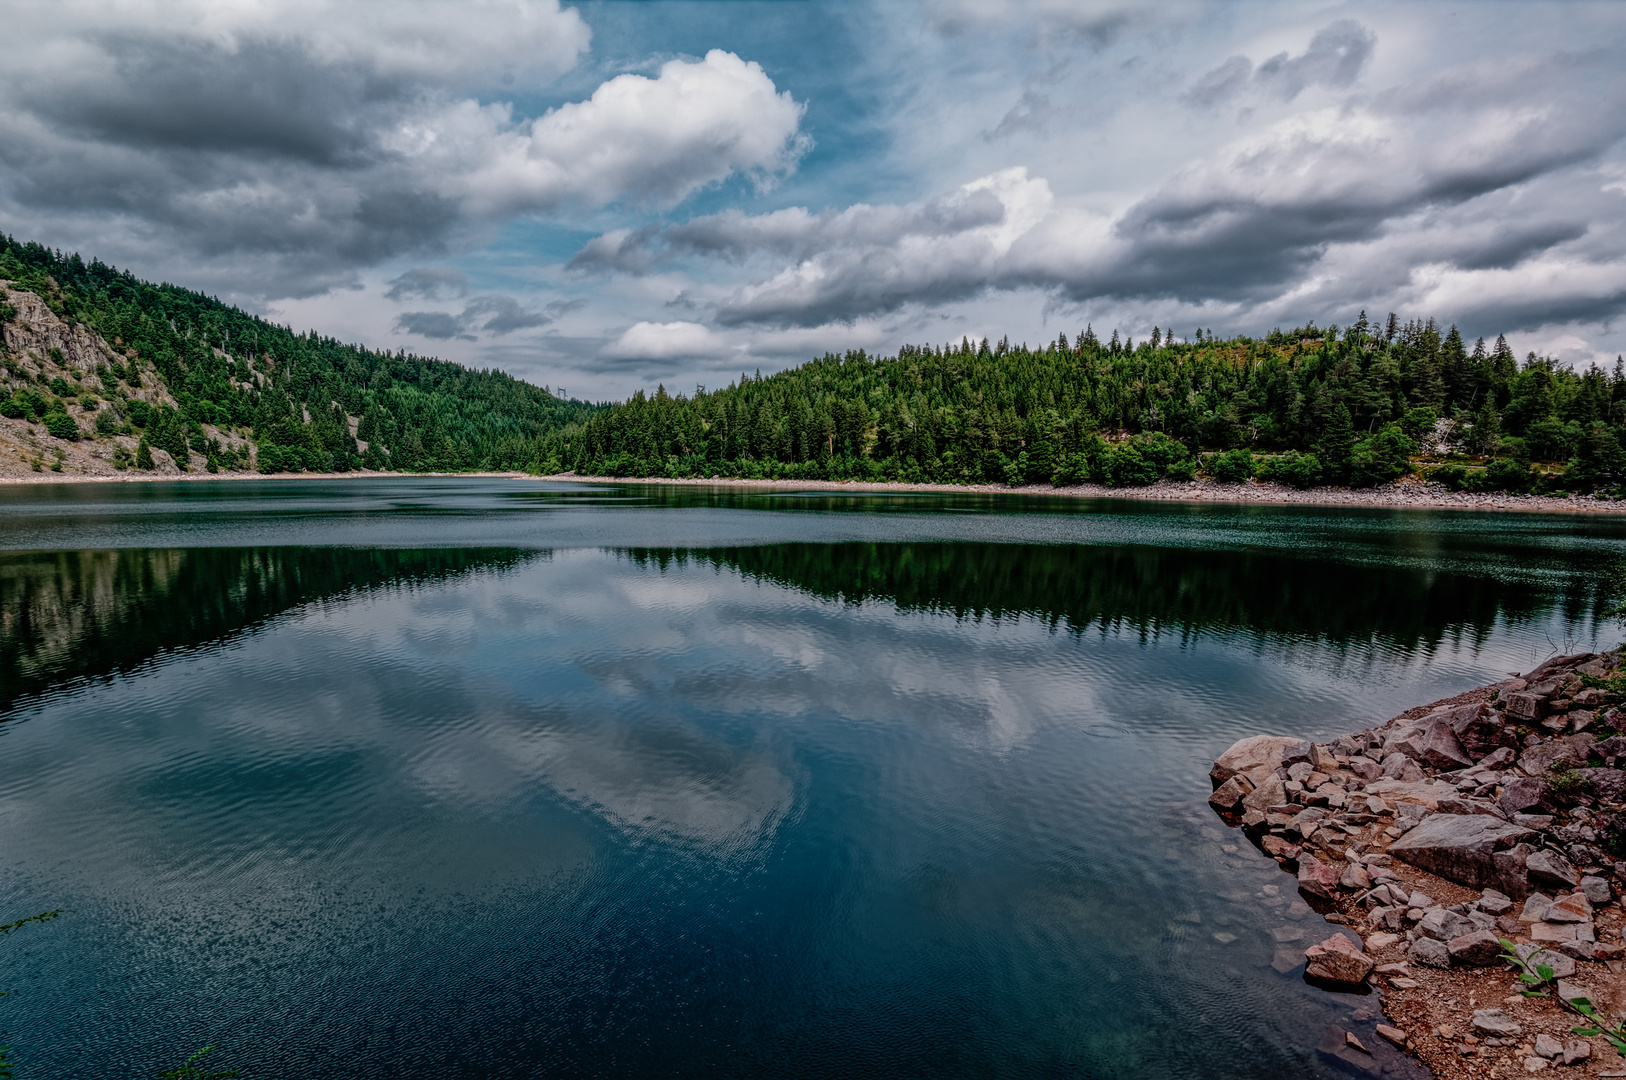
(289, 146)
(1483, 174)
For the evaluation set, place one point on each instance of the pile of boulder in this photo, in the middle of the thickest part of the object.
(1514, 791)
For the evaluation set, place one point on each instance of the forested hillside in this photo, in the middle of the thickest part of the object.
(211, 386)
(1308, 407)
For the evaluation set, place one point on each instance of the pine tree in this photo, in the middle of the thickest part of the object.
(1337, 444)
(143, 458)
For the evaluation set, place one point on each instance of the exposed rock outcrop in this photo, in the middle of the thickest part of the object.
(1511, 791)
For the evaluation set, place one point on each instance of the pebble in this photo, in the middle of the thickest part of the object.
(1393, 1034)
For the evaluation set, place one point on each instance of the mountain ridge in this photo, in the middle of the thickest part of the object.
(101, 372)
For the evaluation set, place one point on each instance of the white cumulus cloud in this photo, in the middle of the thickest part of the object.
(646, 140)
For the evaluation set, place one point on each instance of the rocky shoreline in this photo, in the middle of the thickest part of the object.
(1427, 842)
(1409, 492)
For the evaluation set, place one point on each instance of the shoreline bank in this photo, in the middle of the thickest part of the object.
(1431, 841)
(1407, 493)
(197, 477)
(1404, 494)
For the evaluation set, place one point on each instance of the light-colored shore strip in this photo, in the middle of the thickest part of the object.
(1413, 495)
(1403, 494)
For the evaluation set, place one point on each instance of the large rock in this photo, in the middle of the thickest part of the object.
(1458, 847)
(1607, 784)
(1424, 793)
(1547, 868)
(1535, 956)
(1555, 663)
(1479, 730)
(1230, 793)
(1569, 908)
(1245, 755)
(1510, 876)
(1442, 924)
(1572, 751)
(1523, 707)
(1426, 950)
(1521, 793)
(1270, 792)
(1430, 741)
(1478, 949)
(1337, 960)
(1317, 878)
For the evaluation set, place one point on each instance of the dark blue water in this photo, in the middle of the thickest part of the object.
(391, 778)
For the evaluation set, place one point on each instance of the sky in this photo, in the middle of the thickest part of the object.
(606, 196)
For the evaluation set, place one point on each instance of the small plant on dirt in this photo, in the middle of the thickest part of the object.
(1567, 784)
(1530, 975)
(1535, 975)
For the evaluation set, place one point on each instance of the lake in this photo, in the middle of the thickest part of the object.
(507, 778)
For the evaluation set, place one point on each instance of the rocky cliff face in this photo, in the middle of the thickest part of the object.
(62, 361)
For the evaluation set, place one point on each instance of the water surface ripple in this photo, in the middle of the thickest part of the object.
(503, 778)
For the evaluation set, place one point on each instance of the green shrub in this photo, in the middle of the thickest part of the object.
(1506, 474)
(61, 426)
(1418, 422)
(1451, 477)
(13, 408)
(1292, 468)
(1163, 453)
(1181, 470)
(1231, 467)
(1123, 465)
(1381, 457)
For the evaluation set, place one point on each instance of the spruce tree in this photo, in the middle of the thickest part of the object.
(1337, 444)
(143, 454)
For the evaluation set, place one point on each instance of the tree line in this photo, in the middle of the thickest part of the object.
(1310, 406)
(293, 393)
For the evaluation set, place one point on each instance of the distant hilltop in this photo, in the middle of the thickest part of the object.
(1309, 407)
(101, 372)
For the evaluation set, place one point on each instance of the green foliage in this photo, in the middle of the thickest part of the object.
(1345, 409)
(1292, 468)
(1566, 784)
(291, 391)
(143, 455)
(61, 426)
(1507, 474)
(1614, 1033)
(1418, 422)
(1231, 467)
(1531, 977)
(1451, 477)
(1381, 457)
(1336, 447)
